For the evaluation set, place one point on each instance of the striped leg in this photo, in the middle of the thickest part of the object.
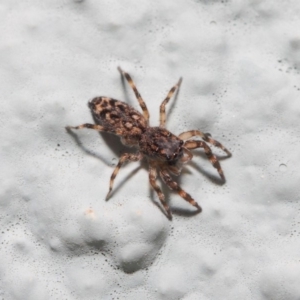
(188, 134)
(175, 187)
(125, 157)
(186, 158)
(137, 94)
(165, 102)
(212, 158)
(161, 196)
(91, 126)
(96, 127)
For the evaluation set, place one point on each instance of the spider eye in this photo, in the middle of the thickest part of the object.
(181, 143)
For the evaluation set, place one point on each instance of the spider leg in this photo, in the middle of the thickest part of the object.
(137, 94)
(91, 126)
(176, 169)
(161, 196)
(173, 185)
(193, 144)
(184, 159)
(188, 134)
(125, 157)
(162, 116)
(96, 127)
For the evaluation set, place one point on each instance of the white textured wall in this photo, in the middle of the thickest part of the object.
(240, 64)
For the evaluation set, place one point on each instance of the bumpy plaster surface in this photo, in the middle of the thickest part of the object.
(240, 64)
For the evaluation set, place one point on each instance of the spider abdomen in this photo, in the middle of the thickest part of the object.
(160, 144)
(118, 117)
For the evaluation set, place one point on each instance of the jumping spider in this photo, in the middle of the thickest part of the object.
(166, 153)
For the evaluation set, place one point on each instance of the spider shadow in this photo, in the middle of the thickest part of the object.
(111, 140)
(116, 146)
(214, 178)
(120, 184)
(83, 148)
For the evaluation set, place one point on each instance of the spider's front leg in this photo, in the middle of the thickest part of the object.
(161, 196)
(162, 109)
(188, 134)
(173, 185)
(137, 94)
(193, 144)
(125, 157)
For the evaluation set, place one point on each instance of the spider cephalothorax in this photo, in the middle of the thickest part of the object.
(160, 144)
(164, 151)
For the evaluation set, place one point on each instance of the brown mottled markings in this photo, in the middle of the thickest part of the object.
(128, 125)
(114, 116)
(112, 103)
(154, 147)
(104, 104)
(121, 107)
(166, 153)
(104, 112)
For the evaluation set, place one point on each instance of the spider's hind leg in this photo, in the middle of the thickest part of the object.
(173, 185)
(136, 92)
(125, 157)
(162, 108)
